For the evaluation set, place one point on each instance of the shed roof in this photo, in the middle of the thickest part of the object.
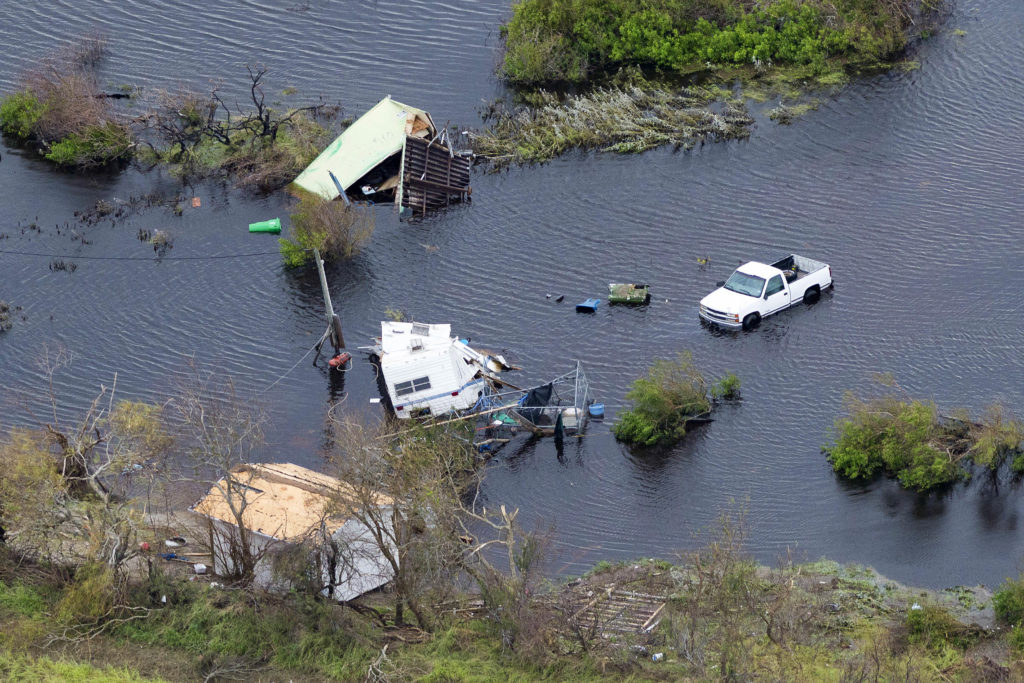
(371, 139)
(283, 500)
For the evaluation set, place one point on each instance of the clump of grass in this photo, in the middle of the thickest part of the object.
(339, 231)
(934, 627)
(627, 119)
(727, 388)
(786, 114)
(908, 439)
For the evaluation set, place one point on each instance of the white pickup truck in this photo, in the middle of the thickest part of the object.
(757, 290)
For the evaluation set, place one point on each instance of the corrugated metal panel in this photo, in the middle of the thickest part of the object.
(432, 177)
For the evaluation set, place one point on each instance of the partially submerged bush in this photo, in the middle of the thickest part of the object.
(260, 148)
(60, 108)
(727, 388)
(908, 439)
(338, 230)
(672, 394)
(95, 145)
(20, 114)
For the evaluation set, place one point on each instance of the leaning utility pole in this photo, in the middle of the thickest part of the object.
(333, 321)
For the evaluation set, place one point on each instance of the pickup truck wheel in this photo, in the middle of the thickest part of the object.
(812, 294)
(751, 321)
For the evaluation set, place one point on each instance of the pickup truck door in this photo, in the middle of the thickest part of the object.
(776, 295)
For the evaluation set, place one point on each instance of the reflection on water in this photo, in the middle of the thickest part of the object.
(906, 183)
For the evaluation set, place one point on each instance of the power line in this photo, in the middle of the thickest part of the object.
(141, 258)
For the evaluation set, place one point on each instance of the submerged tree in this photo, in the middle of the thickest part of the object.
(909, 439)
(338, 230)
(673, 394)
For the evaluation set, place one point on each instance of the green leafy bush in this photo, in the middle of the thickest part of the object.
(19, 114)
(934, 627)
(339, 231)
(1008, 601)
(727, 388)
(571, 40)
(894, 436)
(672, 393)
(96, 145)
(909, 440)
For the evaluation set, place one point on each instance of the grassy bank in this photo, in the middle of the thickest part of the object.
(724, 616)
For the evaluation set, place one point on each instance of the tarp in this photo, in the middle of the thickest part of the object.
(371, 139)
(535, 401)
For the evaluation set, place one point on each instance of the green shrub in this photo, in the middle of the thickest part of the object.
(896, 437)
(909, 440)
(935, 628)
(1008, 601)
(19, 114)
(96, 145)
(672, 393)
(571, 40)
(727, 388)
(91, 597)
(337, 230)
(21, 599)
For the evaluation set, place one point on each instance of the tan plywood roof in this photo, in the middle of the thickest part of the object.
(282, 500)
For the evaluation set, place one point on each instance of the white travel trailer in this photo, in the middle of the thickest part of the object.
(427, 371)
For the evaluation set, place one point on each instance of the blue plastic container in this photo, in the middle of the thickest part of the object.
(588, 306)
(596, 410)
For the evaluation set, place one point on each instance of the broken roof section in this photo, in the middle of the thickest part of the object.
(393, 151)
(368, 142)
(282, 500)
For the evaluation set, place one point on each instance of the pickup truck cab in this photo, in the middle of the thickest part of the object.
(757, 290)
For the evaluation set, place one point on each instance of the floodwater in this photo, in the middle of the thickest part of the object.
(908, 184)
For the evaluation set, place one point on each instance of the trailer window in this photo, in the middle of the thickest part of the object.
(751, 285)
(774, 286)
(412, 386)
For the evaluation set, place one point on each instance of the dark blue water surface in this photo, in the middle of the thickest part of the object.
(908, 184)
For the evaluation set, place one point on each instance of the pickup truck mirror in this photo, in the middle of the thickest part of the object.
(720, 283)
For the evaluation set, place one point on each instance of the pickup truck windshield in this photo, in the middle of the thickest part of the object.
(742, 283)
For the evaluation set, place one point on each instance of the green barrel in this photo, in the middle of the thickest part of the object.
(273, 225)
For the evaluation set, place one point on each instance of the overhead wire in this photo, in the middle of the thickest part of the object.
(141, 258)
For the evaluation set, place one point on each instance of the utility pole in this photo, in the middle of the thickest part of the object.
(333, 321)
